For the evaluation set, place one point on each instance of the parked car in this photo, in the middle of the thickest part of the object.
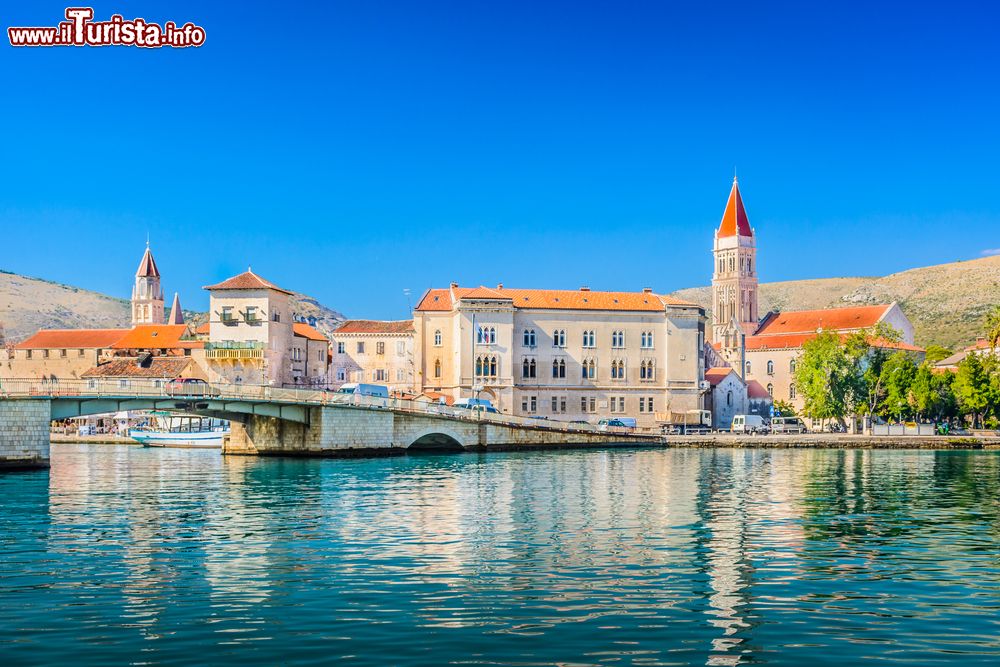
(749, 424)
(362, 389)
(620, 422)
(189, 387)
(788, 425)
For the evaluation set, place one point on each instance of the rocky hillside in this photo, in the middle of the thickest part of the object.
(946, 303)
(29, 304)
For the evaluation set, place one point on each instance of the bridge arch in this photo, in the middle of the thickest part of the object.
(436, 439)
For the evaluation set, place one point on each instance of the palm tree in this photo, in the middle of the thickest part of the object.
(993, 327)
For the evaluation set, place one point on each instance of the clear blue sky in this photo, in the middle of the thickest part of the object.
(351, 150)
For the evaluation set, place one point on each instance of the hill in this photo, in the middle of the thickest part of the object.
(29, 304)
(946, 303)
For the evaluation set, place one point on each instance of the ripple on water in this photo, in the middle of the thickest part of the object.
(717, 557)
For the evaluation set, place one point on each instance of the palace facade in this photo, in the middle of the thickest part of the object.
(561, 354)
(374, 351)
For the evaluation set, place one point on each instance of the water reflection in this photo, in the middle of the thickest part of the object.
(718, 557)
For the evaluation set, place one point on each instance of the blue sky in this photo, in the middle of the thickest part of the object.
(351, 150)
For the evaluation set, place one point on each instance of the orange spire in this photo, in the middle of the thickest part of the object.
(734, 220)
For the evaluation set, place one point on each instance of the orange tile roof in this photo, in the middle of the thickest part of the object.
(718, 374)
(306, 331)
(203, 329)
(734, 219)
(810, 321)
(157, 337)
(376, 326)
(72, 338)
(158, 367)
(246, 280)
(793, 341)
(541, 299)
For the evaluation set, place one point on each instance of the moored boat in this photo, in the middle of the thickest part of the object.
(167, 430)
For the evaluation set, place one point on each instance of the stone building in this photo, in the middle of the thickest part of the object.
(147, 294)
(766, 350)
(55, 354)
(562, 354)
(727, 398)
(374, 351)
(253, 339)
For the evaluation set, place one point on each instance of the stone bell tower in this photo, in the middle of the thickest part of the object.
(734, 280)
(147, 295)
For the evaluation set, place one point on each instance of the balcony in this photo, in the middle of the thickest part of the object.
(234, 351)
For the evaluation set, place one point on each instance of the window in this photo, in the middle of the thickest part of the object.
(617, 339)
(123, 384)
(618, 370)
(437, 368)
(559, 338)
(400, 375)
(555, 404)
(341, 375)
(528, 368)
(320, 355)
(486, 366)
(770, 390)
(400, 348)
(642, 404)
(62, 353)
(748, 368)
(251, 315)
(380, 348)
(646, 370)
(227, 315)
(529, 338)
(647, 339)
(45, 354)
(558, 368)
(79, 353)
(27, 354)
(589, 369)
(437, 338)
(770, 367)
(729, 398)
(378, 375)
(361, 347)
(617, 404)
(340, 347)
(791, 366)
(529, 404)
(275, 316)
(791, 392)
(481, 336)
(589, 340)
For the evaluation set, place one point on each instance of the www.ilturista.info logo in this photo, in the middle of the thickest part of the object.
(81, 30)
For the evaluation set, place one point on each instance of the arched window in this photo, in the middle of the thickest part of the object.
(437, 338)
(748, 368)
(729, 398)
(479, 366)
(524, 368)
(589, 339)
(493, 366)
(770, 367)
(481, 335)
(791, 392)
(437, 368)
(493, 335)
(617, 339)
(529, 338)
(791, 366)
(770, 390)
(531, 369)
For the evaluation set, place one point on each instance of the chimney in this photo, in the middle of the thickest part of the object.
(454, 285)
(584, 289)
(499, 285)
(647, 290)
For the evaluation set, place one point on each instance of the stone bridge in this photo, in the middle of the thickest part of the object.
(285, 422)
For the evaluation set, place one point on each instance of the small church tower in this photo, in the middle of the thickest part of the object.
(147, 296)
(734, 280)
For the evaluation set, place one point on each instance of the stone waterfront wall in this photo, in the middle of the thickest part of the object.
(24, 433)
(330, 432)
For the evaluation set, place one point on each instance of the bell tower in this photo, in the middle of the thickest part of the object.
(734, 280)
(147, 296)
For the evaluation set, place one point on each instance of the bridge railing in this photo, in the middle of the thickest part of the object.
(118, 388)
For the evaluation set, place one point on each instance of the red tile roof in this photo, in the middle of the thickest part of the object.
(72, 338)
(157, 337)
(811, 321)
(376, 326)
(306, 331)
(147, 266)
(203, 329)
(734, 219)
(756, 390)
(583, 299)
(718, 374)
(128, 367)
(246, 280)
(792, 341)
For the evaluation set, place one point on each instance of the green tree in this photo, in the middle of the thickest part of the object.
(992, 327)
(924, 397)
(784, 409)
(898, 374)
(935, 353)
(822, 376)
(946, 404)
(972, 387)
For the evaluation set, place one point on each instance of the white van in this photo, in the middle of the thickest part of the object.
(619, 422)
(361, 389)
(748, 424)
(787, 425)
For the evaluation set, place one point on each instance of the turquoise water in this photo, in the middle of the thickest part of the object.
(621, 557)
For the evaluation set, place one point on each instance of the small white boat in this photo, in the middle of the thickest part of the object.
(166, 430)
